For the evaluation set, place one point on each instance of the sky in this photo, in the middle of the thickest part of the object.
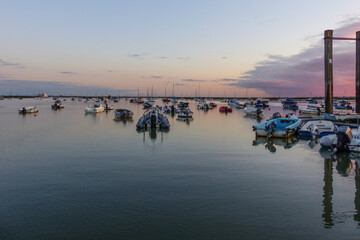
(229, 47)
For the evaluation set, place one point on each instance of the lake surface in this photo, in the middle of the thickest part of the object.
(67, 175)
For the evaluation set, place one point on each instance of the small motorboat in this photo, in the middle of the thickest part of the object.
(313, 110)
(183, 104)
(317, 128)
(289, 104)
(345, 140)
(311, 100)
(203, 106)
(30, 109)
(108, 107)
(261, 104)
(147, 105)
(152, 118)
(94, 108)
(57, 105)
(213, 105)
(253, 111)
(123, 113)
(279, 127)
(225, 109)
(185, 114)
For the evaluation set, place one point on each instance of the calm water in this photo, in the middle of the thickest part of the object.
(67, 175)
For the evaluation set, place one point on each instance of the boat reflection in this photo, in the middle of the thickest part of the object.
(345, 162)
(185, 120)
(123, 120)
(257, 118)
(270, 143)
(152, 133)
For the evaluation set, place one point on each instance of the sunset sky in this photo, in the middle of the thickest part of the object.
(268, 47)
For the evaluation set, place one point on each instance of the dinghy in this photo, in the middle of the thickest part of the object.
(279, 127)
(57, 105)
(94, 108)
(345, 140)
(153, 119)
(253, 111)
(185, 114)
(26, 110)
(317, 128)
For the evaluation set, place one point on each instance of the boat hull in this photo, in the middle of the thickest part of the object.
(275, 134)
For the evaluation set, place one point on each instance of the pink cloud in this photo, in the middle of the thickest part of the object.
(303, 73)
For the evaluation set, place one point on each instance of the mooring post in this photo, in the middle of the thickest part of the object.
(358, 72)
(328, 34)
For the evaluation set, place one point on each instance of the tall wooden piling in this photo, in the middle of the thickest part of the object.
(358, 72)
(328, 34)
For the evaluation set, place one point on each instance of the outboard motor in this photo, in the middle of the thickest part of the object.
(313, 130)
(344, 137)
(270, 128)
(153, 120)
(258, 111)
(275, 115)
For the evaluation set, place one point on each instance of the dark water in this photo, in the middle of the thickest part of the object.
(67, 175)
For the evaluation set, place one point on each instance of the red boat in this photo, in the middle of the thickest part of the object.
(225, 109)
(213, 105)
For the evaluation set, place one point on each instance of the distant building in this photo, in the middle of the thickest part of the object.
(43, 95)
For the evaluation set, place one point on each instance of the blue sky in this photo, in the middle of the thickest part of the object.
(122, 44)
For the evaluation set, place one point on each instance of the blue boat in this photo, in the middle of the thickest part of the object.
(310, 100)
(290, 104)
(279, 127)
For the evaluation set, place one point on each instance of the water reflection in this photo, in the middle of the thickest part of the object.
(124, 121)
(257, 118)
(345, 162)
(327, 194)
(152, 134)
(270, 143)
(185, 120)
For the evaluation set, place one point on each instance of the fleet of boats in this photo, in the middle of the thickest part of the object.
(337, 138)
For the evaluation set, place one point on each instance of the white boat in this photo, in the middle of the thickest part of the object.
(94, 108)
(279, 127)
(253, 111)
(31, 109)
(344, 140)
(317, 128)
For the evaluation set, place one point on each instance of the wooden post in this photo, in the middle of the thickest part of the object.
(358, 72)
(328, 71)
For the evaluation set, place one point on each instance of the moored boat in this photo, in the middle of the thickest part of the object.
(57, 105)
(152, 118)
(31, 109)
(317, 128)
(94, 108)
(225, 109)
(185, 114)
(253, 111)
(279, 127)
